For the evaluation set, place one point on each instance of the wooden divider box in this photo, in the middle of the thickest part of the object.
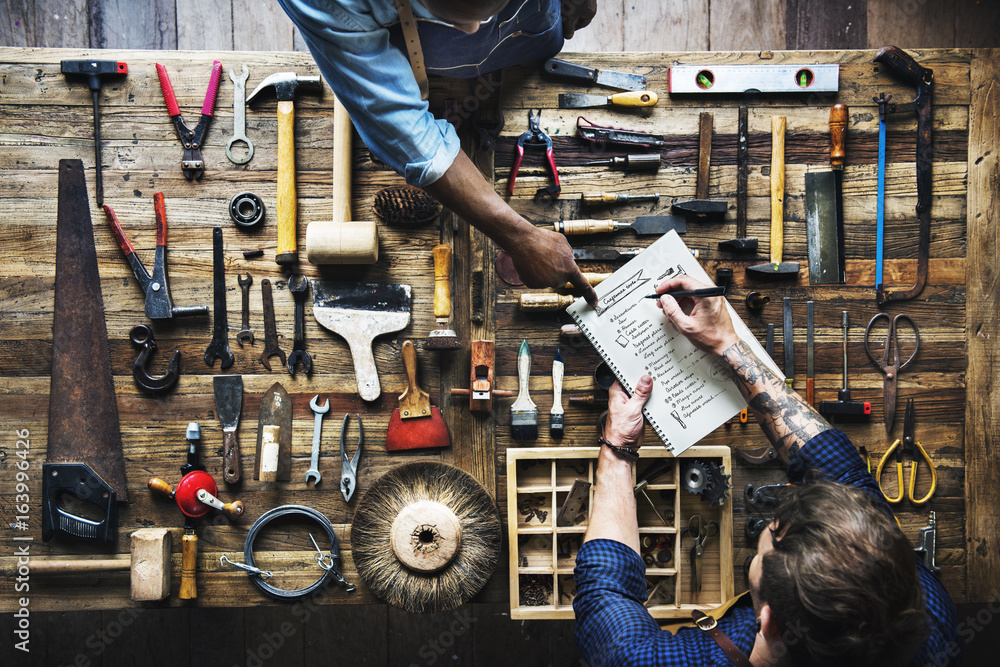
(543, 554)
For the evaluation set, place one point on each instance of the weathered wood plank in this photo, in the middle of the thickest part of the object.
(120, 24)
(821, 24)
(983, 329)
(353, 635)
(912, 24)
(741, 26)
(26, 23)
(272, 632)
(682, 25)
(261, 26)
(194, 32)
(975, 24)
(447, 636)
(606, 31)
(134, 635)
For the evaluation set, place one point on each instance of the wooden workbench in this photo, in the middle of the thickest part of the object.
(44, 118)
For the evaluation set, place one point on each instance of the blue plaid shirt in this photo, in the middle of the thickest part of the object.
(614, 628)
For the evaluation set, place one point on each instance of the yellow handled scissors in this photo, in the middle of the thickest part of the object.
(908, 446)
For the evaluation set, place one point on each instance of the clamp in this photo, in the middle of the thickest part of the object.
(192, 163)
(535, 138)
(159, 305)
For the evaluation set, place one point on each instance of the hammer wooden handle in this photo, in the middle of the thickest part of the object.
(442, 280)
(189, 566)
(777, 187)
(75, 566)
(287, 252)
(342, 143)
(838, 132)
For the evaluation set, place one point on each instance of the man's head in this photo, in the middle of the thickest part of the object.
(465, 15)
(834, 581)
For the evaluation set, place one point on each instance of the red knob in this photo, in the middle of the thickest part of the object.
(187, 493)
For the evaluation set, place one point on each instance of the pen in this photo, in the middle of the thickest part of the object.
(707, 291)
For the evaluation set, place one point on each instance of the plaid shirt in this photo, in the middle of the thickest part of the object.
(614, 628)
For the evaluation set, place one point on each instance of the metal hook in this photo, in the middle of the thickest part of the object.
(142, 337)
(223, 560)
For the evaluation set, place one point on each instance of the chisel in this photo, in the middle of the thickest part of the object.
(610, 198)
(640, 162)
(637, 98)
(604, 254)
(644, 224)
(810, 382)
(788, 342)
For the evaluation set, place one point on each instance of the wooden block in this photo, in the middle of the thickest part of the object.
(150, 549)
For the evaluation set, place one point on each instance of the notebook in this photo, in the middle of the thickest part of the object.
(693, 393)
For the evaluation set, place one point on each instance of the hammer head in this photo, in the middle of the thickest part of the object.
(285, 85)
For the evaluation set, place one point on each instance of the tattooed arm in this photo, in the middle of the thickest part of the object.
(787, 420)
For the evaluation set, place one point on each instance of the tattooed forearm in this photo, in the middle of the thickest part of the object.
(787, 420)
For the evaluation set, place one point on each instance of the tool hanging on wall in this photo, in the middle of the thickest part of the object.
(299, 287)
(218, 348)
(927, 541)
(810, 356)
(604, 254)
(84, 455)
(614, 198)
(907, 447)
(156, 287)
(777, 268)
(813, 78)
(142, 337)
(482, 388)
(899, 62)
(286, 84)
(313, 475)
(889, 364)
(644, 224)
(556, 414)
(273, 458)
(523, 411)
(629, 162)
(245, 335)
(271, 346)
(788, 341)
(444, 337)
(825, 209)
(426, 537)
(415, 424)
(638, 99)
(844, 406)
(239, 117)
(601, 136)
(228, 405)
(192, 163)
(349, 466)
(741, 243)
(582, 74)
(535, 138)
(95, 71)
(701, 207)
(196, 495)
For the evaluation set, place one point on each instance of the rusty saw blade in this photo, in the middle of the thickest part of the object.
(84, 444)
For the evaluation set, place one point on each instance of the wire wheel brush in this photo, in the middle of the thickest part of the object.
(426, 537)
(405, 205)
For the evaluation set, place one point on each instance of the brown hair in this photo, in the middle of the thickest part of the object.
(841, 580)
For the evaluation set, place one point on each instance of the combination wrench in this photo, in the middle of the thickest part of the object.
(245, 335)
(239, 117)
(219, 347)
(313, 475)
(271, 346)
(299, 289)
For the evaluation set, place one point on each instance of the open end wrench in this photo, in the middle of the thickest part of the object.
(271, 347)
(313, 475)
(299, 287)
(239, 117)
(219, 347)
(245, 335)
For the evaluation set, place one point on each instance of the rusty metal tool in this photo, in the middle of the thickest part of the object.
(274, 436)
(349, 466)
(900, 63)
(95, 71)
(192, 163)
(228, 405)
(844, 406)
(84, 455)
(613, 198)
(630, 99)
(640, 162)
(218, 348)
(604, 254)
(271, 346)
(788, 341)
(890, 364)
(582, 74)
(742, 243)
(245, 335)
(299, 287)
(159, 303)
(239, 117)
(928, 542)
(777, 268)
(535, 138)
(313, 475)
(825, 210)
(701, 207)
(286, 84)
(601, 136)
(644, 224)
(142, 337)
(575, 501)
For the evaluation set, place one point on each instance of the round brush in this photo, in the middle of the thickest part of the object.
(426, 537)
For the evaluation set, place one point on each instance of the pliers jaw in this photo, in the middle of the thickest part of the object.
(192, 164)
(536, 138)
(349, 467)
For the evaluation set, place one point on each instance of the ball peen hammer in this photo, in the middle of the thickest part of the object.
(285, 86)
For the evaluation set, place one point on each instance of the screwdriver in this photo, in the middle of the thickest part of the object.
(608, 198)
(629, 162)
(844, 406)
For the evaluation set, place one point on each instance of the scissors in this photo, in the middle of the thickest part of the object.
(908, 446)
(889, 364)
(700, 532)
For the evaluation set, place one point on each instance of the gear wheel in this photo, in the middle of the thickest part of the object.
(695, 477)
(718, 487)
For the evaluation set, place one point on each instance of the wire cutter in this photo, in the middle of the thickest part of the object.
(908, 446)
(890, 351)
(191, 164)
(700, 532)
(535, 138)
(349, 467)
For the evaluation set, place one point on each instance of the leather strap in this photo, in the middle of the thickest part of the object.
(708, 624)
(413, 50)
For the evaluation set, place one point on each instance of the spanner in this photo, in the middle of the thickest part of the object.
(239, 117)
(245, 334)
(299, 288)
(219, 347)
(313, 475)
(271, 347)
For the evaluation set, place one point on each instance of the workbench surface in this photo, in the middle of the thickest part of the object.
(44, 118)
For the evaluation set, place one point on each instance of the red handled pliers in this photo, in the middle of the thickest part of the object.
(535, 138)
(191, 164)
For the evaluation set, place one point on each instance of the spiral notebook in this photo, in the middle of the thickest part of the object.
(693, 393)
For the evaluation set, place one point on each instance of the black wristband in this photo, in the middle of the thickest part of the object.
(621, 452)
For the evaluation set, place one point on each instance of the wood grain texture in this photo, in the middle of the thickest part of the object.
(681, 25)
(826, 24)
(606, 31)
(975, 24)
(262, 26)
(745, 26)
(25, 23)
(121, 24)
(983, 325)
(348, 635)
(911, 24)
(194, 33)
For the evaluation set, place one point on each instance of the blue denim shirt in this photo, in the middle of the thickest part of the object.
(355, 45)
(614, 628)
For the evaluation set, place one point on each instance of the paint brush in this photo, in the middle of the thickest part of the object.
(556, 414)
(523, 412)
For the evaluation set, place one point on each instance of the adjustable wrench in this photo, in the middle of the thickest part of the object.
(313, 475)
(271, 347)
(219, 347)
(239, 117)
(299, 288)
(245, 334)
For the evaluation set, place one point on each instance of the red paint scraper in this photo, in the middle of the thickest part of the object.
(415, 424)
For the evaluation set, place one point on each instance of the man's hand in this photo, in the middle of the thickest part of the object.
(577, 14)
(707, 325)
(544, 258)
(625, 421)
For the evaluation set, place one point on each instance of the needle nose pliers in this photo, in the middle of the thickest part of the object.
(191, 164)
